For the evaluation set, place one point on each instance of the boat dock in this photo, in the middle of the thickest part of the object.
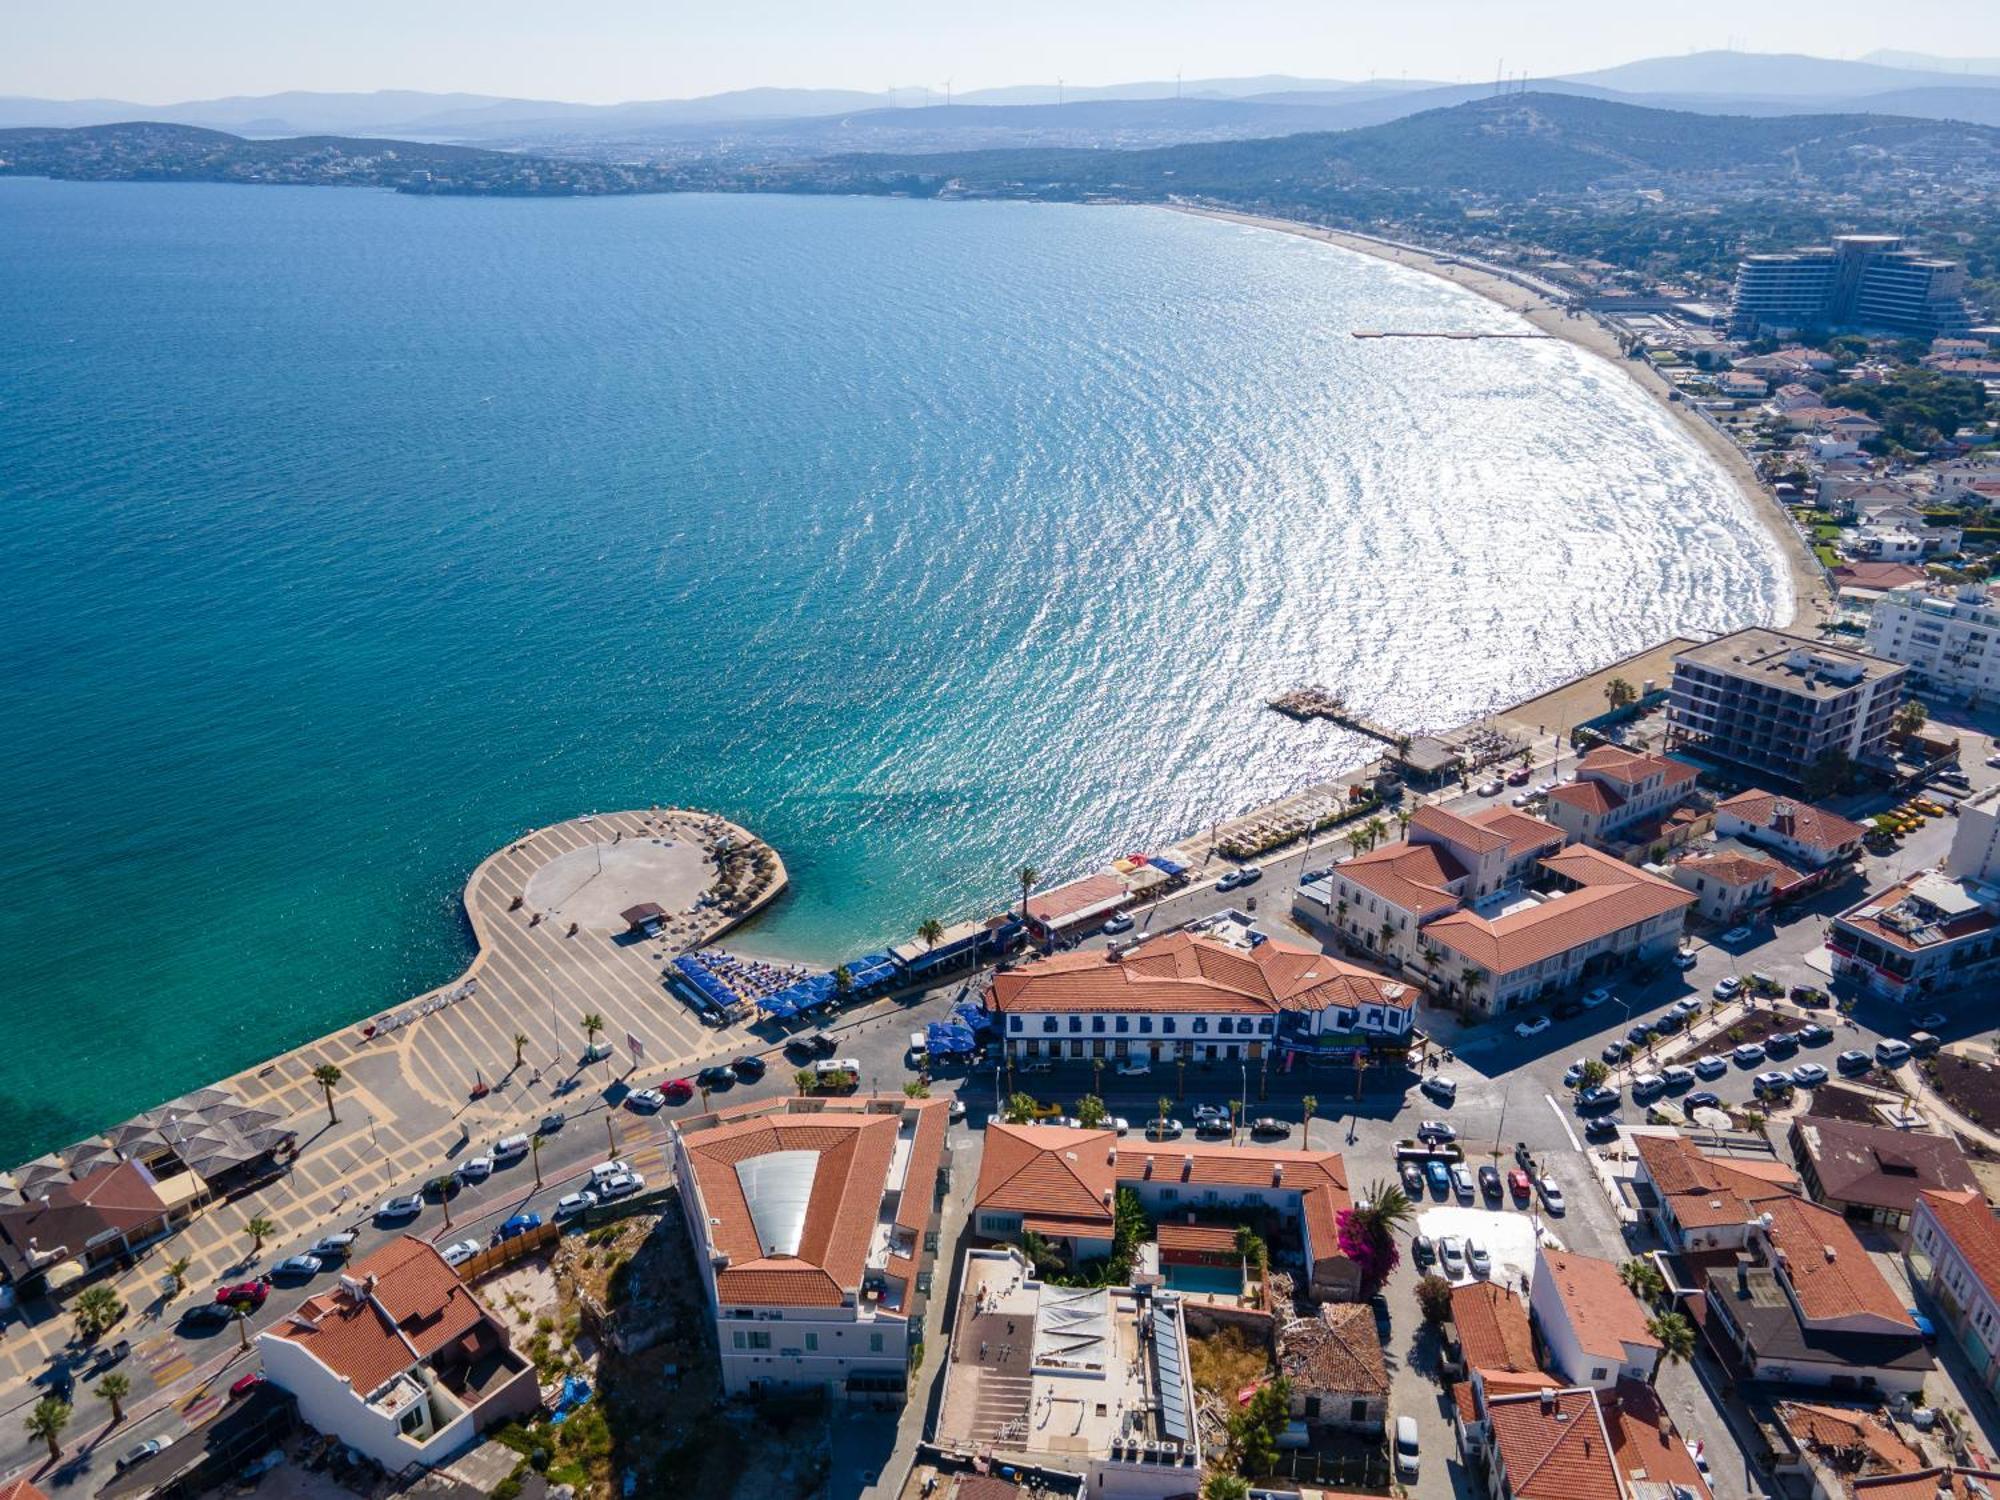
(1316, 702)
(1379, 333)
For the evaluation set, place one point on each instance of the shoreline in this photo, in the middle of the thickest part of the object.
(1810, 601)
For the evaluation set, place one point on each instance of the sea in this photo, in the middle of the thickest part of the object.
(348, 534)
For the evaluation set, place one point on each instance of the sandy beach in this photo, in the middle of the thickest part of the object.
(1810, 602)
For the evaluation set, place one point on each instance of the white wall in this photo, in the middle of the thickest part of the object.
(807, 1346)
(329, 1403)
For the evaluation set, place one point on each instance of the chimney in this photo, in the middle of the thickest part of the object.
(1149, 1167)
(1743, 1275)
(1781, 818)
(1829, 1253)
(1277, 1174)
(1666, 1425)
(1548, 1399)
(1187, 1168)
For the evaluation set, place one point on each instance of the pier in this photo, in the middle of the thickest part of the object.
(1379, 333)
(1316, 702)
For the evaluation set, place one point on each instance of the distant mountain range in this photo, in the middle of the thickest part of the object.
(1150, 112)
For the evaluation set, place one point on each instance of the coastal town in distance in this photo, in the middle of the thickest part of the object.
(1592, 1100)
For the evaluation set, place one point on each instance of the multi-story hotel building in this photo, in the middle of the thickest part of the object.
(1860, 280)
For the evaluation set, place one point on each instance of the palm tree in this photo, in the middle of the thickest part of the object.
(1911, 717)
(1470, 979)
(930, 930)
(1676, 1336)
(1090, 1112)
(1618, 693)
(1356, 840)
(259, 1229)
(843, 982)
(1306, 1107)
(47, 1421)
(592, 1024)
(177, 1272)
(96, 1308)
(1223, 1485)
(326, 1075)
(1097, 1075)
(1360, 1072)
(1403, 819)
(916, 1088)
(114, 1388)
(803, 1081)
(1387, 932)
(1251, 1247)
(1377, 830)
(1642, 1277)
(1388, 1207)
(1340, 912)
(1020, 1109)
(1027, 875)
(535, 1157)
(704, 1098)
(1235, 1119)
(520, 1040)
(1166, 1106)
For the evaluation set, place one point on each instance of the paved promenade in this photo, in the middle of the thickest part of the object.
(404, 1101)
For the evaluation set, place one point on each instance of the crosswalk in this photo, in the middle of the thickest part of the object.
(164, 1359)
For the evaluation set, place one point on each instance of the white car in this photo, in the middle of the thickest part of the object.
(1892, 1053)
(645, 1099)
(1137, 1067)
(606, 1169)
(1477, 1258)
(1595, 998)
(957, 1110)
(1552, 1195)
(1710, 1066)
(618, 1184)
(1726, 987)
(475, 1169)
(1688, 1007)
(1118, 922)
(1451, 1257)
(334, 1246)
(1531, 1028)
(297, 1265)
(571, 1204)
(1684, 958)
(1573, 1074)
(458, 1252)
(1120, 1124)
(1737, 935)
(404, 1206)
(1491, 789)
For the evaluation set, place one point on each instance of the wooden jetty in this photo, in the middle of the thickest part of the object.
(1394, 333)
(1316, 702)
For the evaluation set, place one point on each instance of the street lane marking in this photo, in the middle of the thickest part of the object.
(1563, 1120)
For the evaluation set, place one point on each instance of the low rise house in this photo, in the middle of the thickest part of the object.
(1199, 998)
(1333, 1363)
(1088, 1381)
(1617, 1443)
(1874, 1173)
(1078, 906)
(811, 1220)
(1828, 1447)
(1617, 789)
(1805, 1305)
(1730, 887)
(1592, 1326)
(63, 1228)
(1491, 1353)
(1062, 1184)
(1862, 583)
(400, 1361)
(1702, 1202)
(1954, 1235)
(1805, 836)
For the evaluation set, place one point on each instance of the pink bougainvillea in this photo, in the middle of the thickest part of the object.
(1369, 1245)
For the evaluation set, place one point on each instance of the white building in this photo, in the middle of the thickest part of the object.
(400, 1361)
(809, 1219)
(1592, 1326)
(1803, 835)
(1934, 931)
(1957, 1234)
(1949, 638)
(1615, 791)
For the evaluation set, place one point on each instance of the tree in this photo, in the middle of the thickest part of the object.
(1470, 980)
(1619, 693)
(930, 930)
(1377, 830)
(114, 1388)
(535, 1157)
(1090, 1112)
(1254, 1430)
(1404, 817)
(259, 1229)
(1594, 1073)
(1020, 1109)
(1643, 1278)
(47, 1421)
(326, 1075)
(1222, 1485)
(916, 1088)
(1250, 1245)
(1676, 1336)
(520, 1040)
(1911, 717)
(803, 1080)
(1434, 1297)
(592, 1024)
(1360, 1072)
(1828, 776)
(95, 1309)
(1388, 933)
(177, 1273)
(1027, 875)
(1357, 841)
(1166, 1106)
(1306, 1107)
(1040, 1253)
(1367, 1232)
(843, 982)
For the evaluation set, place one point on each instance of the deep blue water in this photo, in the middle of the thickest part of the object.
(348, 534)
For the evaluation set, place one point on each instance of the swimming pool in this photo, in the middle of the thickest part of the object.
(1209, 1281)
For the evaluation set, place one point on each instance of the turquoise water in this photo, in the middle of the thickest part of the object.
(349, 534)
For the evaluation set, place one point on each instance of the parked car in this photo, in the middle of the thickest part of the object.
(1439, 1176)
(1118, 922)
(1781, 1044)
(1461, 1183)
(1809, 1075)
(1489, 1182)
(1214, 1125)
(1710, 1066)
(1443, 1090)
(1552, 1195)
(678, 1090)
(1684, 958)
(1118, 1124)
(553, 1121)
(1136, 1067)
(1520, 776)
(1600, 1127)
(1854, 1060)
(1891, 1053)
(1702, 1099)
(243, 1385)
(510, 1148)
(1614, 1052)
(749, 1068)
(403, 1206)
(1677, 1077)
(1163, 1130)
(1923, 1044)
(474, 1169)
(458, 1252)
(1536, 1027)
(1413, 1179)
(243, 1293)
(1604, 1096)
(1748, 1055)
(645, 1099)
(1435, 1132)
(1925, 1327)
(1476, 1257)
(1451, 1255)
(1595, 998)
(1573, 1074)
(1688, 1006)
(1814, 1035)
(139, 1453)
(571, 1204)
(717, 1076)
(1265, 1125)
(1772, 1082)
(1646, 1085)
(1726, 987)
(1737, 935)
(1407, 1454)
(619, 1184)
(520, 1224)
(1520, 1184)
(335, 1246)
(297, 1267)
(1422, 1250)
(1932, 1020)
(1209, 1112)
(606, 1169)
(1640, 1034)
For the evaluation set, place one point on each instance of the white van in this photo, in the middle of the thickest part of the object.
(1406, 1448)
(606, 1169)
(508, 1147)
(917, 1046)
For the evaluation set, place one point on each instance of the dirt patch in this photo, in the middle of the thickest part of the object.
(1225, 1362)
(1970, 1087)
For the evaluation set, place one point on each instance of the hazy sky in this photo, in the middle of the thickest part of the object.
(162, 51)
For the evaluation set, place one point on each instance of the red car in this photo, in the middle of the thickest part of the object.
(1519, 1185)
(251, 1292)
(246, 1385)
(678, 1090)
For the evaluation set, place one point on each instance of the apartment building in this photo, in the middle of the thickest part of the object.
(1956, 1234)
(1949, 638)
(1866, 281)
(1777, 703)
(1936, 930)
(811, 1221)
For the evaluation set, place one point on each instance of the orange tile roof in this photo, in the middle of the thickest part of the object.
(1587, 796)
(1628, 768)
(418, 1307)
(1968, 1222)
(1604, 1315)
(1463, 831)
(1830, 1272)
(1614, 896)
(1927, 1484)
(1554, 1447)
(20, 1489)
(1062, 901)
(1492, 1325)
(1705, 1191)
(1179, 972)
(1523, 832)
(1813, 826)
(1210, 1238)
(855, 1145)
(1735, 869)
(1414, 877)
(1849, 1430)
(1647, 1449)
